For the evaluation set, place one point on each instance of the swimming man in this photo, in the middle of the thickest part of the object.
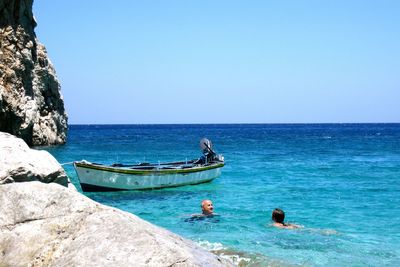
(207, 210)
(207, 207)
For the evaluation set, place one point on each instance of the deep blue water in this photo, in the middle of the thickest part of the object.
(340, 181)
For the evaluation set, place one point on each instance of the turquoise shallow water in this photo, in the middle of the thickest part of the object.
(340, 181)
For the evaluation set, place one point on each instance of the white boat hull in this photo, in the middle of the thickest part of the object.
(94, 178)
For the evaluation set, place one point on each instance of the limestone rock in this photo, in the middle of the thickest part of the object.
(31, 106)
(49, 225)
(19, 163)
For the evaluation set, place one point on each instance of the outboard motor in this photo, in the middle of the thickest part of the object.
(208, 152)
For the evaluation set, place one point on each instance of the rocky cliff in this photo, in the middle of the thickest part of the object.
(31, 106)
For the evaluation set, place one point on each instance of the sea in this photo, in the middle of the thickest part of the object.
(340, 182)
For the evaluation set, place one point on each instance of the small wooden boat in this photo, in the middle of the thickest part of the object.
(100, 177)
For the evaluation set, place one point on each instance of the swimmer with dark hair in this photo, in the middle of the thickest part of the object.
(278, 216)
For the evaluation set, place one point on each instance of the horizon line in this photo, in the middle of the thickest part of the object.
(235, 123)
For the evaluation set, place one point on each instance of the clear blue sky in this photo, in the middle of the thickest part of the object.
(224, 61)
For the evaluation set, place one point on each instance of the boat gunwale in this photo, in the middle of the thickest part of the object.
(148, 172)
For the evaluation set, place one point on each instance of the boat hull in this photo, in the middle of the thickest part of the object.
(104, 178)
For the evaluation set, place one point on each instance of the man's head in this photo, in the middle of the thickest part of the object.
(278, 215)
(207, 207)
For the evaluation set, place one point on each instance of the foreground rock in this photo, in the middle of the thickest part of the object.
(49, 225)
(19, 163)
(31, 105)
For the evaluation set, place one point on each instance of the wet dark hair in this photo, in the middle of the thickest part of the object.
(278, 215)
